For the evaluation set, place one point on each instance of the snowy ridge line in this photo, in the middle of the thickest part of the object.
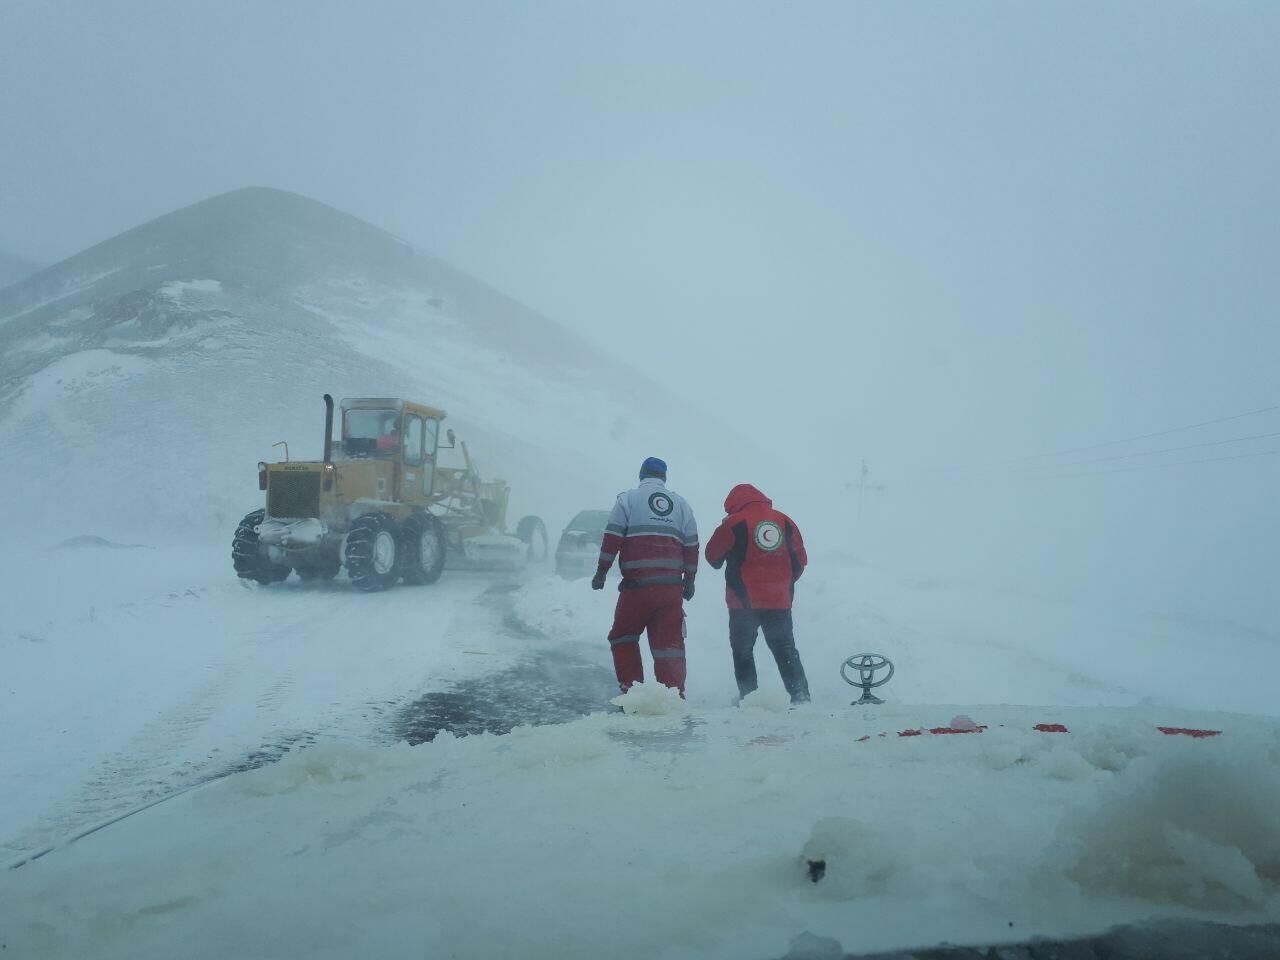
(1196, 733)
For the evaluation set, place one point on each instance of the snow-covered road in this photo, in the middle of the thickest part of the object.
(133, 673)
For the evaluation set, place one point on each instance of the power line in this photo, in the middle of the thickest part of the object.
(1147, 436)
(1175, 463)
(1152, 453)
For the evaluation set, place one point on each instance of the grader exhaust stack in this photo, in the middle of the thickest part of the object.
(328, 428)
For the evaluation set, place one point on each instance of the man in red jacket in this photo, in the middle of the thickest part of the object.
(763, 554)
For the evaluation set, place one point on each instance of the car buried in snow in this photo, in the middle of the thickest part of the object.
(381, 505)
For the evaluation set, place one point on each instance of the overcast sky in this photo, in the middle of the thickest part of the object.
(938, 235)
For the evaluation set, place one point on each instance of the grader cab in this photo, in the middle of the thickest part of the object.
(382, 505)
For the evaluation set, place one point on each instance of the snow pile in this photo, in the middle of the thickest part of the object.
(650, 700)
(850, 858)
(709, 825)
(770, 701)
(322, 764)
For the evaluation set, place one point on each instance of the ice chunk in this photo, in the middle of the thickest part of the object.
(768, 701)
(653, 700)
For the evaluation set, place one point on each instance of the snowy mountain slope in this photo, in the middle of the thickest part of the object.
(14, 268)
(141, 379)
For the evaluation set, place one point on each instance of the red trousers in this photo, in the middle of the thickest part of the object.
(660, 610)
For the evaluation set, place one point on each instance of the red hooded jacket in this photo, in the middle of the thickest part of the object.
(762, 548)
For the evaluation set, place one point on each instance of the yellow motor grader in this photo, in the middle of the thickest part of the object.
(381, 505)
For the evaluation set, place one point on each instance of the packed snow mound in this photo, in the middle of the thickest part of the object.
(851, 859)
(324, 763)
(651, 700)
(711, 820)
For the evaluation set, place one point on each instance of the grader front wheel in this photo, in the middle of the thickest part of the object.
(248, 557)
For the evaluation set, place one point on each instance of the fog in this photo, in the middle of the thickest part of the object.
(971, 245)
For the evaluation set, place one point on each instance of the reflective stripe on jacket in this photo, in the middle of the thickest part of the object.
(652, 532)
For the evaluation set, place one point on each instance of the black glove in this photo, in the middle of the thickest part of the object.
(597, 582)
(688, 589)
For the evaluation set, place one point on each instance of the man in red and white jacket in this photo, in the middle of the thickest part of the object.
(763, 554)
(652, 532)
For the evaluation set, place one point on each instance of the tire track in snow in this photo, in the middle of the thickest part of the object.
(270, 699)
(183, 745)
(151, 765)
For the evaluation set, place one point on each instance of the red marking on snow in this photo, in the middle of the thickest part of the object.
(770, 741)
(1192, 732)
(1188, 732)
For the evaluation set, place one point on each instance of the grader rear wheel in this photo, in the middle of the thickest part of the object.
(422, 547)
(371, 552)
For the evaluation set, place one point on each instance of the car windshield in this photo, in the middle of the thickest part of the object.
(934, 337)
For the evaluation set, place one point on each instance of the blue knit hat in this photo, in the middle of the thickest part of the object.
(653, 467)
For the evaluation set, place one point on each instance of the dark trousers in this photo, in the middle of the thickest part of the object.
(780, 636)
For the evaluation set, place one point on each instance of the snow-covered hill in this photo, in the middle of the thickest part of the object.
(142, 379)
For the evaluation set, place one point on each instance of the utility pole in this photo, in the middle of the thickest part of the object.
(864, 485)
